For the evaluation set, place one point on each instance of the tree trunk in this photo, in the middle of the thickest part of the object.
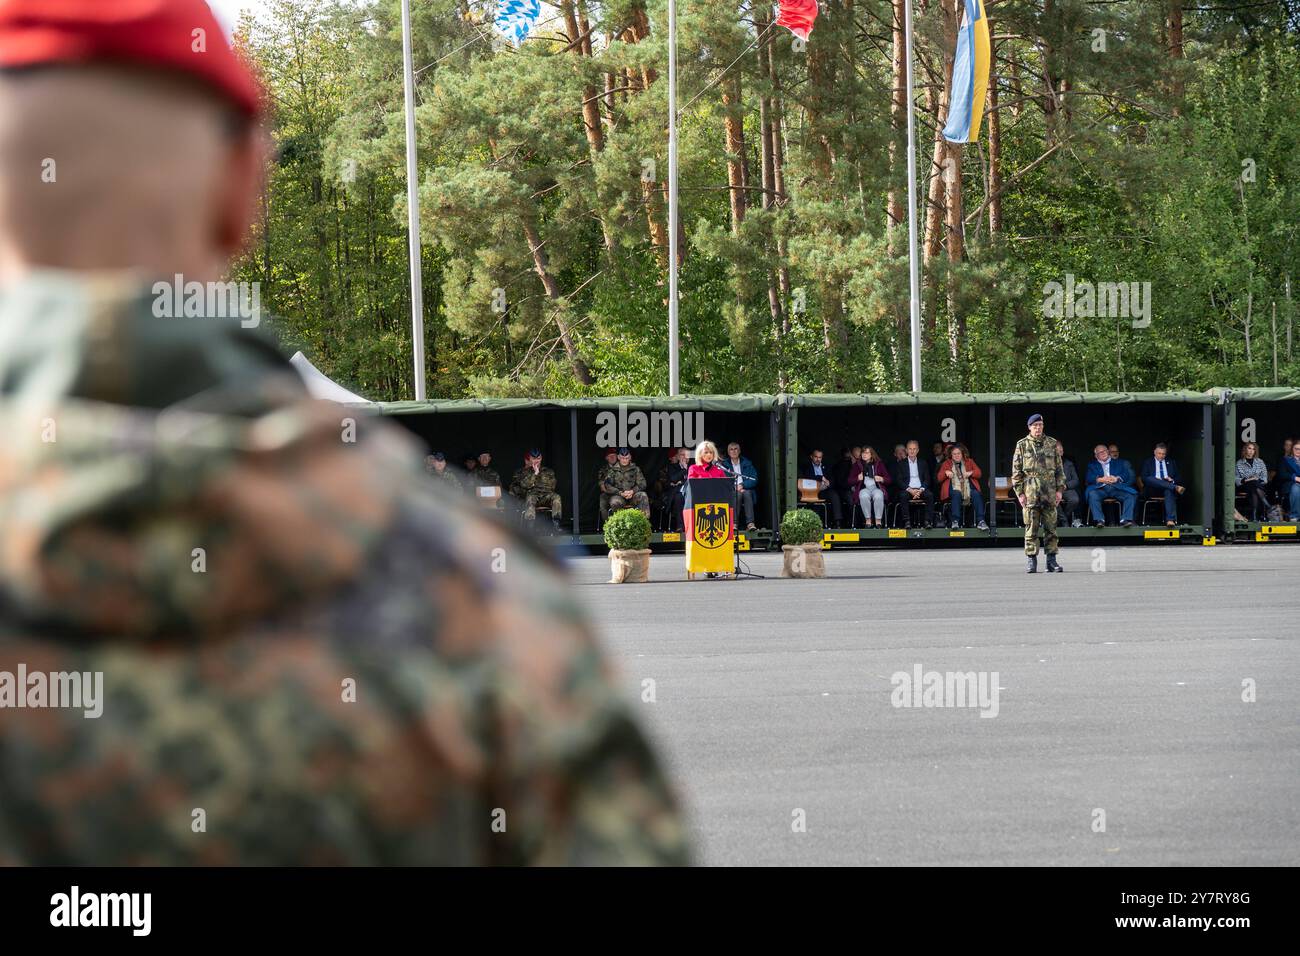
(956, 248)
(653, 194)
(822, 73)
(1174, 29)
(995, 159)
(934, 204)
(580, 370)
(894, 213)
(734, 124)
(767, 178)
(590, 109)
(1053, 86)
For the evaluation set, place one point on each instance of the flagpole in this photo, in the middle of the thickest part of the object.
(913, 263)
(674, 371)
(413, 206)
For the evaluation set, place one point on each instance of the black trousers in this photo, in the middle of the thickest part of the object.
(905, 497)
(1256, 500)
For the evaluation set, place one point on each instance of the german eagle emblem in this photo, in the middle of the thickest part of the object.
(712, 524)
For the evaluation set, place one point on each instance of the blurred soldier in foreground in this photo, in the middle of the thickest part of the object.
(1038, 481)
(307, 655)
(534, 486)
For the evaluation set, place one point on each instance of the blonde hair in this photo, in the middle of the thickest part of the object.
(704, 446)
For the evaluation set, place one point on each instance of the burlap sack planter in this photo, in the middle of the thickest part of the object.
(802, 561)
(629, 567)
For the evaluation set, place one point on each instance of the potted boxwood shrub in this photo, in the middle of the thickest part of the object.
(801, 545)
(627, 533)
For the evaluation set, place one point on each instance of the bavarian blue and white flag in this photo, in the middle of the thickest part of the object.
(516, 17)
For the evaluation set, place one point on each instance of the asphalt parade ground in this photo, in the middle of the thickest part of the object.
(1123, 700)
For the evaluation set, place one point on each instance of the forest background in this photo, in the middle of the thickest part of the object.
(1133, 141)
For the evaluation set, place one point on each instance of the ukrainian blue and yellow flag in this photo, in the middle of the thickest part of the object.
(970, 76)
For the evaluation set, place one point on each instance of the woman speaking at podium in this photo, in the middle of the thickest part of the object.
(706, 462)
(706, 466)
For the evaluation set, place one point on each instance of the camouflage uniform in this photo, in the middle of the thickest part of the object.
(482, 477)
(445, 478)
(536, 490)
(601, 497)
(299, 635)
(1037, 473)
(620, 478)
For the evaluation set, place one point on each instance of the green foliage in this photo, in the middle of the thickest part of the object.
(627, 530)
(544, 260)
(801, 526)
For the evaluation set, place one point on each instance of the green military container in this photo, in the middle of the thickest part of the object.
(1266, 416)
(990, 424)
(573, 433)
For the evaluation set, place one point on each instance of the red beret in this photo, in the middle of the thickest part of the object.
(181, 35)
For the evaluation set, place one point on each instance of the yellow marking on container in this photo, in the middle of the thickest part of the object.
(898, 532)
(1279, 529)
(956, 534)
(1210, 542)
(1168, 533)
(842, 536)
(670, 536)
(1260, 536)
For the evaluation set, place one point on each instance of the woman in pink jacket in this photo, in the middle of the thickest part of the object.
(706, 462)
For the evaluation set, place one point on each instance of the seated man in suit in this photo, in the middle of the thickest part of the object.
(816, 469)
(1109, 478)
(1160, 479)
(912, 482)
(742, 469)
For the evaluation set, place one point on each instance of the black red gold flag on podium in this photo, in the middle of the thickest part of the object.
(710, 521)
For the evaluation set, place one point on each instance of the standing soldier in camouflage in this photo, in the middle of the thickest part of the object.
(534, 485)
(437, 467)
(303, 654)
(624, 485)
(1038, 480)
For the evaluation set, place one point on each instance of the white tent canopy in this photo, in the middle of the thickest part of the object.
(320, 385)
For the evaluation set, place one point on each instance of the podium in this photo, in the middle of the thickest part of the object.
(710, 522)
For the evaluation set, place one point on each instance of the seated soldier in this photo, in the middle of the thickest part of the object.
(611, 459)
(436, 466)
(484, 476)
(534, 486)
(624, 485)
(469, 465)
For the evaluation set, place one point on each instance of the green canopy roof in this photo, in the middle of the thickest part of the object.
(994, 398)
(1263, 394)
(639, 403)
